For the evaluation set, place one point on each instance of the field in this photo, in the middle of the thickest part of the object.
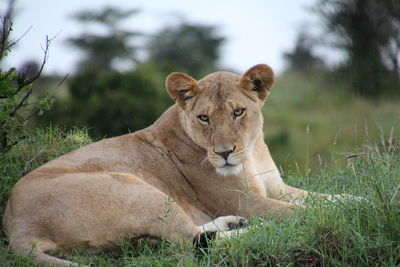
(311, 122)
(326, 141)
(347, 233)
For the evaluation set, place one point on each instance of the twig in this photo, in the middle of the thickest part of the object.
(5, 33)
(7, 74)
(22, 82)
(9, 146)
(20, 104)
(62, 81)
(45, 58)
(12, 43)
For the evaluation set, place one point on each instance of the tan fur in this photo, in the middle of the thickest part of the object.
(164, 181)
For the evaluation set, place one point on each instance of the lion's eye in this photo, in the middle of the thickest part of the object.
(204, 118)
(238, 112)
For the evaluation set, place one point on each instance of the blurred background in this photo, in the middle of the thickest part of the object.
(337, 64)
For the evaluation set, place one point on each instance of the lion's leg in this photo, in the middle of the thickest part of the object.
(260, 206)
(277, 189)
(299, 196)
(37, 247)
(168, 220)
(284, 192)
(292, 194)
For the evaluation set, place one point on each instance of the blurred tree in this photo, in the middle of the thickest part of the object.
(102, 51)
(100, 97)
(302, 58)
(29, 68)
(369, 32)
(193, 49)
(110, 103)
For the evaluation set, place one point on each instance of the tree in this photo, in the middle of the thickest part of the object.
(110, 103)
(29, 68)
(107, 101)
(193, 49)
(103, 51)
(302, 58)
(369, 32)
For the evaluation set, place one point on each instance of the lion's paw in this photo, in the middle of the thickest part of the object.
(225, 223)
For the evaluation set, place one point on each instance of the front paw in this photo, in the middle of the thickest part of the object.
(242, 223)
(225, 223)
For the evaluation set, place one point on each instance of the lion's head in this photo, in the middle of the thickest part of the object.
(222, 112)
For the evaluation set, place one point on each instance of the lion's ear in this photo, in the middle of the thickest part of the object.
(257, 81)
(181, 87)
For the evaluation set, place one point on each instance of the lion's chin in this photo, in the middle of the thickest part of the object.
(229, 170)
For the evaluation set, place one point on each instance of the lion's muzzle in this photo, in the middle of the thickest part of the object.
(226, 161)
(225, 153)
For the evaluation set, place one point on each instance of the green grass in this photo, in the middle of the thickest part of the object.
(327, 234)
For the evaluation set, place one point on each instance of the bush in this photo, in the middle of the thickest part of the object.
(110, 103)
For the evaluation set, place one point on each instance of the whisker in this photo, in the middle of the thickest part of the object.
(272, 170)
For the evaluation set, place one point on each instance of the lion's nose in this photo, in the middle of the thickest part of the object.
(225, 153)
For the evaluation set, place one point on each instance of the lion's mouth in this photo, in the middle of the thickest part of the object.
(226, 165)
(229, 169)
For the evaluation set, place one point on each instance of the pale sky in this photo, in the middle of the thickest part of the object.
(256, 31)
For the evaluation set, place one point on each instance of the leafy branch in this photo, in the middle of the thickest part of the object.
(16, 90)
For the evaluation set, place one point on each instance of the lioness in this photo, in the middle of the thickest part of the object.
(205, 157)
